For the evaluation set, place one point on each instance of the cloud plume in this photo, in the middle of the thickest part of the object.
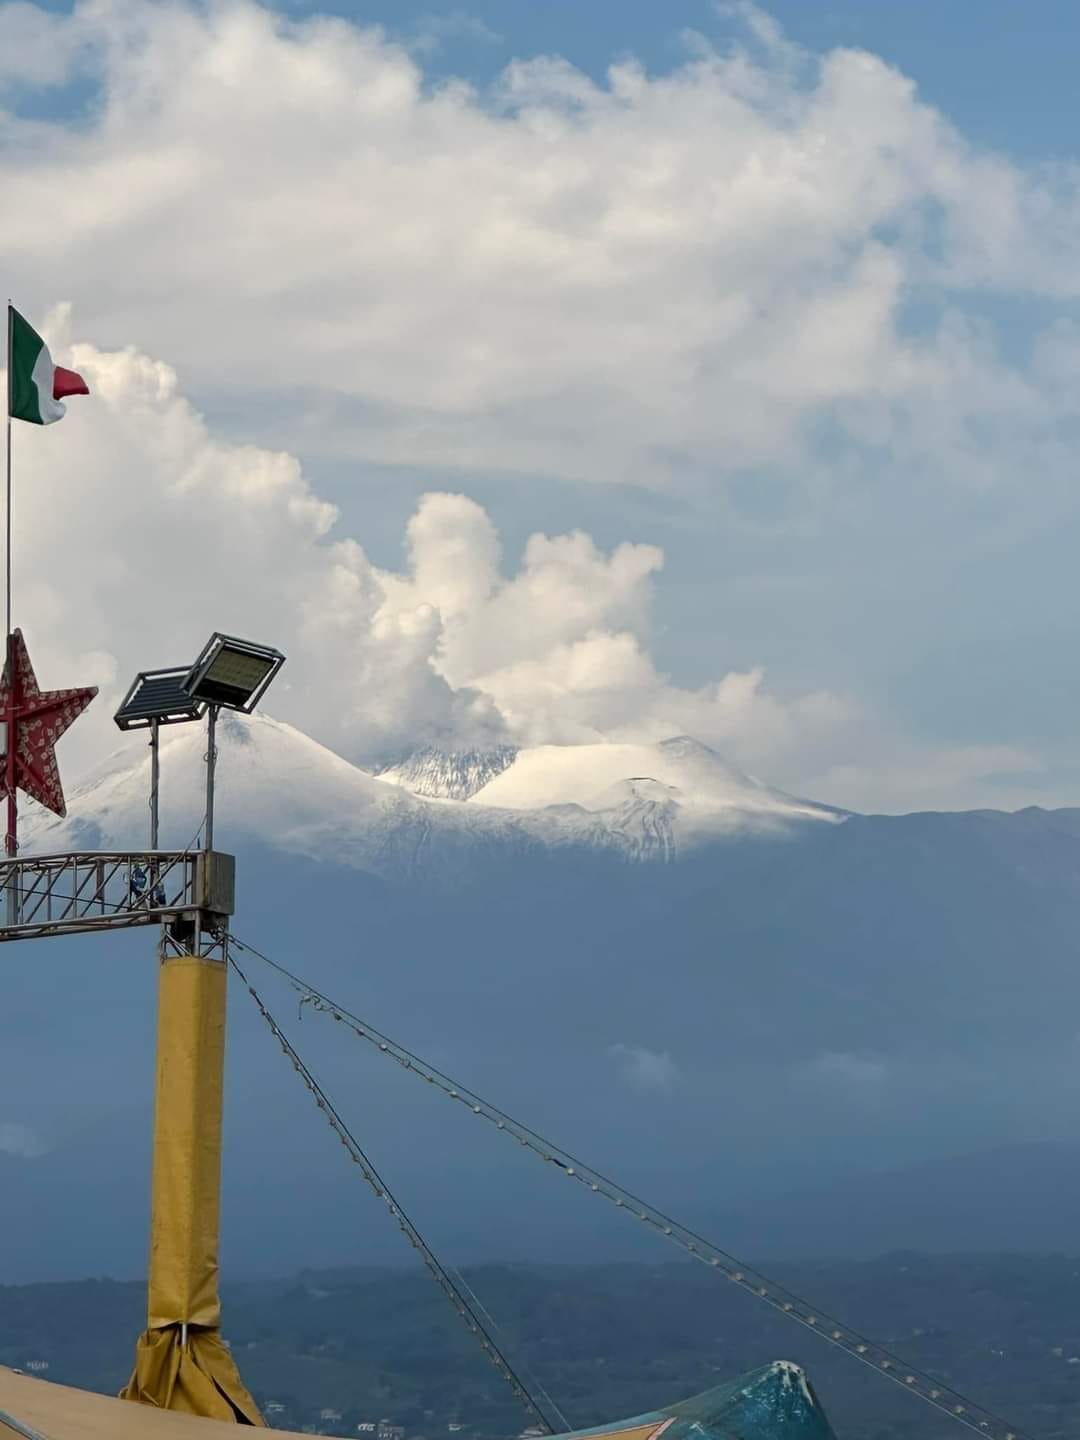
(135, 524)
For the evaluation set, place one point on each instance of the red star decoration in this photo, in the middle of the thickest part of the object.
(38, 719)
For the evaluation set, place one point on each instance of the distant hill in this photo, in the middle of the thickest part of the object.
(604, 1341)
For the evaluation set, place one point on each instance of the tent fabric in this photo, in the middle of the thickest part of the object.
(181, 1362)
(57, 1412)
(196, 1378)
(775, 1403)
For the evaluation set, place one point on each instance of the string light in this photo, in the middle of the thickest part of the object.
(932, 1391)
(408, 1229)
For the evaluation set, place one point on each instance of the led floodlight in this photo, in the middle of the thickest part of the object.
(232, 673)
(158, 696)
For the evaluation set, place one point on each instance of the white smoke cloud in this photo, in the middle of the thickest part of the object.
(139, 532)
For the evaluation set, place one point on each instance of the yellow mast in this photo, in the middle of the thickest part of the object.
(181, 1361)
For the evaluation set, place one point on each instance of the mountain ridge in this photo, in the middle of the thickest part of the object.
(436, 774)
(291, 791)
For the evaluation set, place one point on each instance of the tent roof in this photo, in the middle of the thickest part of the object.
(774, 1402)
(57, 1412)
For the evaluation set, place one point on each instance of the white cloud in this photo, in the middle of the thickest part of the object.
(138, 531)
(40, 48)
(665, 279)
(660, 278)
(648, 1071)
(432, 32)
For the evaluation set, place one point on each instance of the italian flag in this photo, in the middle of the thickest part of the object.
(36, 387)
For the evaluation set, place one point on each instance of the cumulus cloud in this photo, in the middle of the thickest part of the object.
(648, 1071)
(138, 531)
(703, 277)
(659, 278)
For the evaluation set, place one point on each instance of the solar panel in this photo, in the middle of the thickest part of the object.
(158, 695)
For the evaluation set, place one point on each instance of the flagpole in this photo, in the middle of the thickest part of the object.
(7, 610)
(11, 844)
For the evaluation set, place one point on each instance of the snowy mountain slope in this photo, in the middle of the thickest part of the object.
(276, 786)
(271, 780)
(448, 774)
(285, 790)
(675, 777)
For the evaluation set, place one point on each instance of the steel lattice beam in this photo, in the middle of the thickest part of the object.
(86, 890)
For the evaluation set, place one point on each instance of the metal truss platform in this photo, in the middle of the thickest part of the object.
(89, 890)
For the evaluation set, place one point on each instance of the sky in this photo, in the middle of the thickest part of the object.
(551, 373)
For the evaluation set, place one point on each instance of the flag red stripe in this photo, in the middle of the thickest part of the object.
(67, 382)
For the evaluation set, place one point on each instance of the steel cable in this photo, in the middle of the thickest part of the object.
(877, 1357)
(379, 1187)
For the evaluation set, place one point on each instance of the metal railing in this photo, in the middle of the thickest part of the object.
(87, 890)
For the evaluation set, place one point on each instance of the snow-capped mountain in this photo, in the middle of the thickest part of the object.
(448, 774)
(679, 778)
(280, 787)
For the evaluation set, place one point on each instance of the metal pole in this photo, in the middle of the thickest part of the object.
(11, 844)
(211, 761)
(10, 391)
(155, 772)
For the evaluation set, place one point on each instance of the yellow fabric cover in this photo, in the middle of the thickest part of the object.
(187, 1143)
(200, 1378)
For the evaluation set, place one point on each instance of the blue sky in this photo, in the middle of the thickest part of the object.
(805, 321)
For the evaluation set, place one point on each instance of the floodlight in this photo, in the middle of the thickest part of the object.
(232, 673)
(158, 697)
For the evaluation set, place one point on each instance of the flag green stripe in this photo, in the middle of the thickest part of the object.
(26, 345)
